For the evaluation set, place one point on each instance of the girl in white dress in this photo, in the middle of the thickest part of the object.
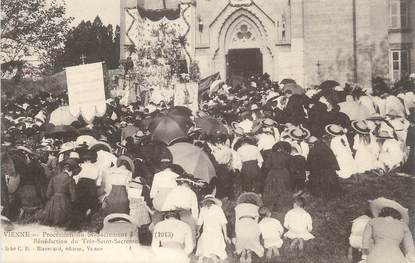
(366, 147)
(341, 149)
(271, 232)
(211, 243)
(299, 224)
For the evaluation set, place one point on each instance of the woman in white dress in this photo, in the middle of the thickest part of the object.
(211, 243)
(391, 154)
(341, 149)
(366, 147)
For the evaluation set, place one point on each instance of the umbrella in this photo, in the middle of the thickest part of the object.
(379, 203)
(193, 160)
(211, 126)
(215, 85)
(328, 84)
(286, 81)
(294, 88)
(354, 110)
(168, 128)
(180, 110)
(62, 130)
(62, 116)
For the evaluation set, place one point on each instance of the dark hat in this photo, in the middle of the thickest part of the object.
(360, 127)
(335, 130)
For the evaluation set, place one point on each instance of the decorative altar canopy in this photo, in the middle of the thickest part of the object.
(155, 10)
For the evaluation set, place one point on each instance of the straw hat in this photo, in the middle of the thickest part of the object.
(378, 204)
(335, 130)
(268, 122)
(299, 134)
(360, 127)
(67, 146)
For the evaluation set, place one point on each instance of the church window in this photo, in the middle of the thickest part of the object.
(244, 33)
(399, 14)
(400, 63)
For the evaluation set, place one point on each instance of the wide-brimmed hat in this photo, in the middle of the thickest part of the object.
(384, 135)
(311, 140)
(378, 204)
(360, 127)
(100, 145)
(85, 139)
(127, 159)
(24, 149)
(268, 122)
(335, 130)
(299, 133)
(67, 146)
(213, 199)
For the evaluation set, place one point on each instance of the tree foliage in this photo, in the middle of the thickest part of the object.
(32, 28)
(95, 41)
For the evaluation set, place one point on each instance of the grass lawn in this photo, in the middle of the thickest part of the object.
(332, 219)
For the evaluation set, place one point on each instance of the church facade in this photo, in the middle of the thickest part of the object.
(307, 40)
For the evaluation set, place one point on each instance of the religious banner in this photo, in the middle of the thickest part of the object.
(86, 91)
(186, 94)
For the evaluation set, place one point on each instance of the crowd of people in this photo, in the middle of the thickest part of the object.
(272, 146)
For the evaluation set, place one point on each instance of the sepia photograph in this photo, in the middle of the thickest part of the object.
(207, 131)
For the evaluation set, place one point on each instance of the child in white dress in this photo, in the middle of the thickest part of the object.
(211, 243)
(271, 232)
(299, 224)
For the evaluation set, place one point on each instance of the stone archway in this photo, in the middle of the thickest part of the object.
(242, 29)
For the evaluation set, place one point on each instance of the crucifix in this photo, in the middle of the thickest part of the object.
(83, 57)
(318, 68)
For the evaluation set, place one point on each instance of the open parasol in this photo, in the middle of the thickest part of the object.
(193, 160)
(167, 128)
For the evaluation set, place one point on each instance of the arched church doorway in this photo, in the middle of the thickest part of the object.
(243, 63)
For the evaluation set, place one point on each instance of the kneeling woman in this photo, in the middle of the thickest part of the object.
(116, 186)
(61, 195)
